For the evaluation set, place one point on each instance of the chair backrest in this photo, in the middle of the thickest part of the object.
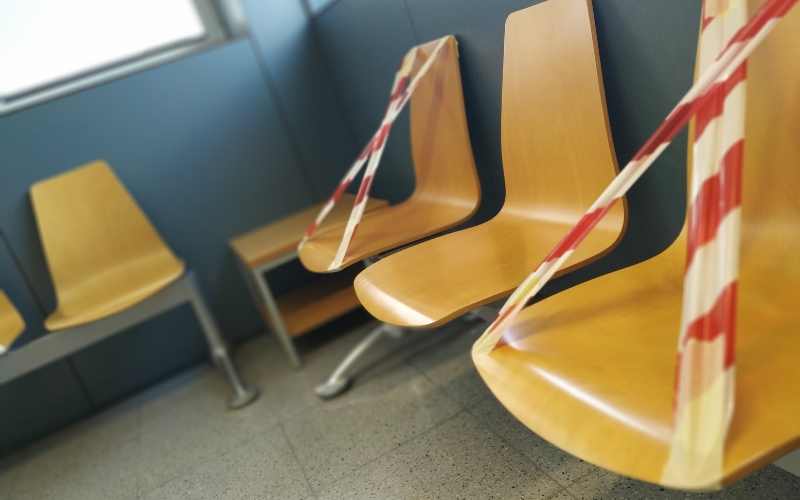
(89, 225)
(11, 323)
(440, 145)
(558, 154)
(770, 176)
(771, 172)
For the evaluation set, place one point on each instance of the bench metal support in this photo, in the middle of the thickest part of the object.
(63, 343)
(265, 299)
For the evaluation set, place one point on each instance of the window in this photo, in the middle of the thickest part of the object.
(51, 47)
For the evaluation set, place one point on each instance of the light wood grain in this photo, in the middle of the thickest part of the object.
(592, 369)
(447, 191)
(103, 253)
(11, 323)
(278, 238)
(557, 158)
(311, 306)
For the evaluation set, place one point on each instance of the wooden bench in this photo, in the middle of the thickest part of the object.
(111, 270)
(303, 309)
(592, 369)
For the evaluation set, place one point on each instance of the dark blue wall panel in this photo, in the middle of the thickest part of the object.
(38, 403)
(364, 42)
(46, 399)
(647, 50)
(140, 356)
(479, 27)
(299, 76)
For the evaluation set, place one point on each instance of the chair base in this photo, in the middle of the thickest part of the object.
(333, 387)
(243, 394)
(339, 381)
(243, 397)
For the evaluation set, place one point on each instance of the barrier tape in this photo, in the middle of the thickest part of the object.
(720, 75)
(704, 378)
(402, 90)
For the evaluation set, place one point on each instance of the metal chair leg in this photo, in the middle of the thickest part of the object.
(278, 326)
(243, 394)
(338, 382)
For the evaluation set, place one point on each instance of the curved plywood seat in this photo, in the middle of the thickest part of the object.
(592, 369)
(447, 191)
(11, 323)
(103, 253)
(557, 157)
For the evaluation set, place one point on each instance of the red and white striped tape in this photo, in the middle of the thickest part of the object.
(724, 73)
(402, 90)
(704, 380)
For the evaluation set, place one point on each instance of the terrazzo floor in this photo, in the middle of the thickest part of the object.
(418, 423)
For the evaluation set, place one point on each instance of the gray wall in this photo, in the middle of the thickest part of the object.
(210, 145)
(647, 52)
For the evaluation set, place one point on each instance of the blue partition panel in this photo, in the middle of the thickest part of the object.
(290, 55)
(364, 42)
(46, 399)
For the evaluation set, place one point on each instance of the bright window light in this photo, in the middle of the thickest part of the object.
(45, 42)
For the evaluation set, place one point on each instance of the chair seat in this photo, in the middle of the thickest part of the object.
(438, 280)
(102, 295)
(592, 371)
(11, 323)
(387, 228)
(275, 240)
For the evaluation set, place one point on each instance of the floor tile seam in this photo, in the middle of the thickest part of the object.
(137, 437)
(435, 384)
(388, 452)
(528, 459)
(195, 467)
(297, 461)
(562, 489)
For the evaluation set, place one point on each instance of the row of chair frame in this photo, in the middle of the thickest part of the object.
(110, 270)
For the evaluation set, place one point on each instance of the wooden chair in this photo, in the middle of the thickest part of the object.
(110, 270)
(11, 323)
(592, 369)
(447, 191)
(557, 157)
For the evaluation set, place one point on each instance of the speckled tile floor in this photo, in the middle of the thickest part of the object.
(418, 423)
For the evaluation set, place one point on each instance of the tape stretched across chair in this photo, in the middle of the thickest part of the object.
(402, 90)
(705, 372)
(712, 241)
